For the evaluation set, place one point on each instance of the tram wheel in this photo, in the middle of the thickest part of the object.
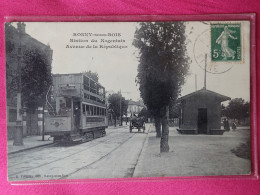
(103, 132)
(89, 136)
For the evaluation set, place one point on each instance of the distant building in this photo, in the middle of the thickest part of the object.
(134, 107)
(17, 41)
(201, 112)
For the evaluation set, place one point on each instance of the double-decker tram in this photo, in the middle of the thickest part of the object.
(79, 109)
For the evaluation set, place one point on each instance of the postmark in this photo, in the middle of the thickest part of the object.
(225, 41)
(201, 48)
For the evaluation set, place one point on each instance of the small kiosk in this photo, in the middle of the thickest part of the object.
(200, 112)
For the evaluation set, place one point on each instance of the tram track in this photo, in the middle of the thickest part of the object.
(83, 150)
(39, 148)
(102, 157)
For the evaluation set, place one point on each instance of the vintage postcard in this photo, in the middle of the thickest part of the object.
(89, 100)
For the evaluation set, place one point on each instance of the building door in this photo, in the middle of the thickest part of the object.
(202, 120)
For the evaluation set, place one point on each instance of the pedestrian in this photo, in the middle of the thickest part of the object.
(226, 125)
(234, 126)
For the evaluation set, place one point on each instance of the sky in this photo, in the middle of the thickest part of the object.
(117, 68)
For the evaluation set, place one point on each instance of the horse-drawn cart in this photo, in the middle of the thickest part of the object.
(137, 123)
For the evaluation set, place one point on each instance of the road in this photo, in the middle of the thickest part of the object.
(113, 156)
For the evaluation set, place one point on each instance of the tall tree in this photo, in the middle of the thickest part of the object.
(163, 64)
(114, 101)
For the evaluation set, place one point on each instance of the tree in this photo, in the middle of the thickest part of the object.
(114, 101)
(163, 64)
(36, 78)
(237, 108)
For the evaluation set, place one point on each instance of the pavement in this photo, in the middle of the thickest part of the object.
(194, 155)
(31, 142)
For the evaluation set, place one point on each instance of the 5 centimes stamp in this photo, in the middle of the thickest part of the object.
(225, 42)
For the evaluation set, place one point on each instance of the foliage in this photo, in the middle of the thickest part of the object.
(145, 113)
(237, 108)
(163, 62)
(174, 109)
(114, 105)
(36, 78)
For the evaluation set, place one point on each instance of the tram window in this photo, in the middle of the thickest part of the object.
(90, 110)
(87, 110)
(93, 98)
(93, 110)
(93, 87)
(84, 108)
(97, 110)
(86, 87)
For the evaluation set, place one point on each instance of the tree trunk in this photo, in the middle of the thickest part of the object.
(115, 121)
(29, 127)
(157, 121)
(121, 120)
(164, 146)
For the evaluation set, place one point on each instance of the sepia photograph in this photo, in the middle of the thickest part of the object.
(105, 100)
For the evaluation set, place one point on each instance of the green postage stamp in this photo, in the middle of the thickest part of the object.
(226, 42)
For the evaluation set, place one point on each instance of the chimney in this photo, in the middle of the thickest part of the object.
(21, 27)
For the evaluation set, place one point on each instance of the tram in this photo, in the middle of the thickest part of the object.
(78, 111)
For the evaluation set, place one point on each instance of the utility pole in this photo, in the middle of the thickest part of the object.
(195, 82)
(205, 73)
(120, 108)
(18, 135)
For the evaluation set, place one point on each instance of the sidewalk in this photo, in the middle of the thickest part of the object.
(29, 142)
(193, 155)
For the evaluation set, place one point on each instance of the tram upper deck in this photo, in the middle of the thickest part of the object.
(78, 86)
